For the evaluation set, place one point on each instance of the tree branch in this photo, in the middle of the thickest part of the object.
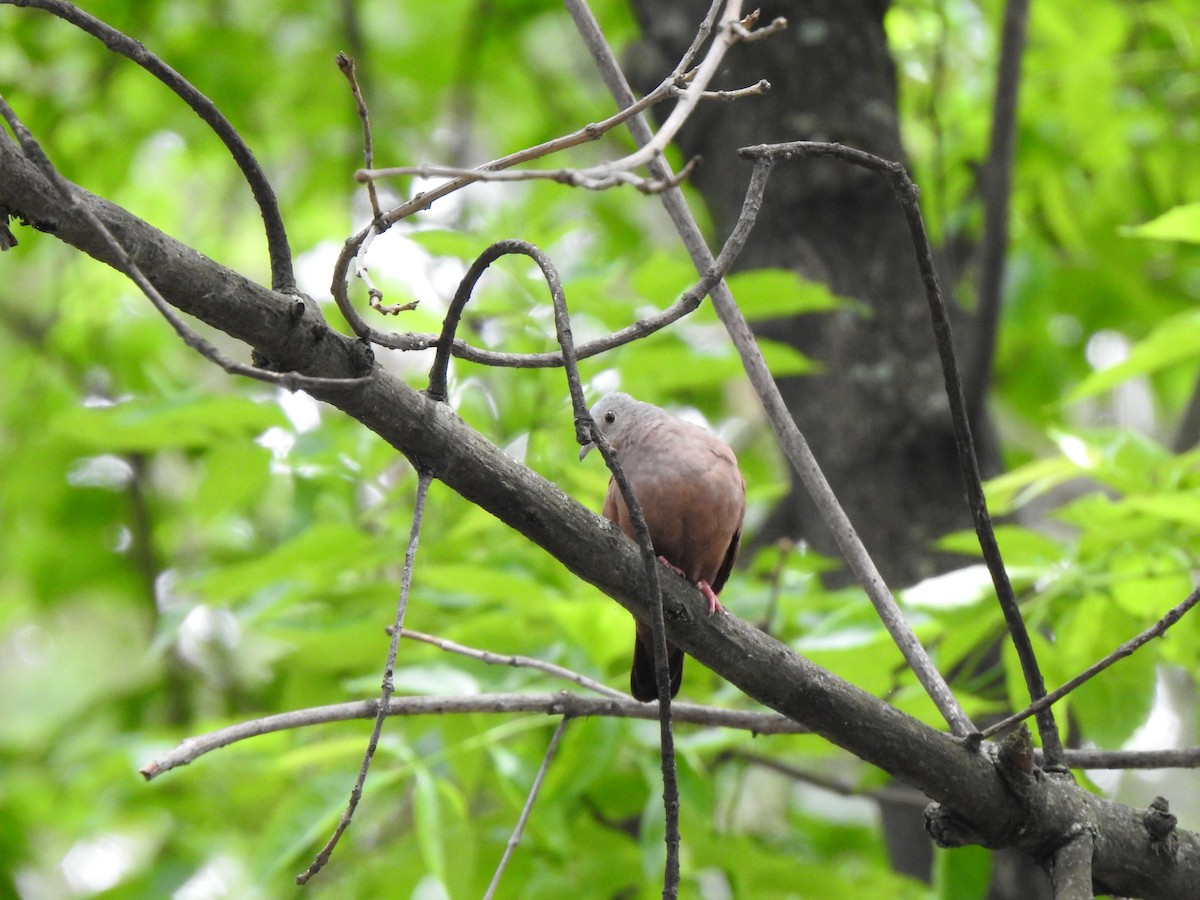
(907, 193)
(536, 787)
(559, 703)
(997, 186)
(508, 659)
(1158, 629)
(282, 278)
(386, 688)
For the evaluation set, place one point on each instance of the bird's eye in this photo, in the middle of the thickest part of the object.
(610, 417)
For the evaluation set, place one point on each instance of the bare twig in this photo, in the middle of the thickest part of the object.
(346, 65)
(791, 441)
(746, 29)
(351, 250)
(585, 430)
(282, 278)
(1174, 758)
(386, 689)
(508, 659)
(519, 830)
(1126, 649)
(559, 703)
(755, 90)
(906, 192)
(729, 31)
(592, 179)
(291, 381)
(893, 793)
(997, 186)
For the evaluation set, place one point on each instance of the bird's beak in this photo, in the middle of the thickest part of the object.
(586, 449)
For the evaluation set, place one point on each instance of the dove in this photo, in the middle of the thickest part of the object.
(693, 497)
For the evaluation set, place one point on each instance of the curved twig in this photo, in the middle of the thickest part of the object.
(585, 430)
(385, 695)
(282, 277)
(509, 659)
(124, 263)
(907, 193)
(519, 829)
(559, 703)
(1126, 649)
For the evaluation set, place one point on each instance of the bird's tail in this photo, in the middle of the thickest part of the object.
(641, 675)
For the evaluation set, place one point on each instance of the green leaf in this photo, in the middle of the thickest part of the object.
(142, 426)
(962, 873)
(763, 293)
(1111, 706)
(1175, 340)
(1182, 223)
(319, 557)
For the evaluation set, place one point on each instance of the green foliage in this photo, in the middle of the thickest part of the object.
(182, 550)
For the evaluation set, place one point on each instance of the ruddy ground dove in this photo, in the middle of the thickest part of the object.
(693, 497)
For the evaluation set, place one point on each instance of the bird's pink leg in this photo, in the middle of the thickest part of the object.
(714, 605)
(670, 565)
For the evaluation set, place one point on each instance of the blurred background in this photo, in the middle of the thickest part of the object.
(181, 550)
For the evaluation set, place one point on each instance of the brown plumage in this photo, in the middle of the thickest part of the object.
(693, 496)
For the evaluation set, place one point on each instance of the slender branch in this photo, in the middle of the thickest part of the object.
(592, 179)
(448, 345)
(997, 188)
(386, 689)
(585, 430)
(519, 830)
(346, 65)
(125, 264)
(757, 89)
(892, 793)
(1126, 649)
(352, 247)
(506, 659)
(907, 193)
(282, 278)
(1174, 758)
(558, 703)
(791, 441)
(726, 36)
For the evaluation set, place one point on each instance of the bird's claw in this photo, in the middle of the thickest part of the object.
(714, 605)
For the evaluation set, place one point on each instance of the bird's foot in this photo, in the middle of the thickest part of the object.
(674, 568)
(714, 605)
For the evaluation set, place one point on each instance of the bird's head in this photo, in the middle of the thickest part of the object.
(614, 414)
